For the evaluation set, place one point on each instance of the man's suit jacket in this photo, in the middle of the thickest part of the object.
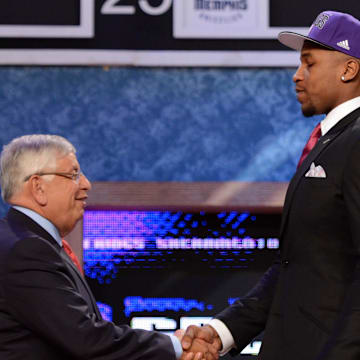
(309, 300)
(47, 311)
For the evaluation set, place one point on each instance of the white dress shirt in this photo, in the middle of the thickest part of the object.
(338, 113)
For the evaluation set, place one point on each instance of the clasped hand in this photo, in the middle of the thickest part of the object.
(199, 343)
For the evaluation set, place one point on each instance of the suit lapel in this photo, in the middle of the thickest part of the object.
(24, 223)
(81, 283)
(323, 142)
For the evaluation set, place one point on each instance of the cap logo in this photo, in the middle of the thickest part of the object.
(344, 44)
(321, 20)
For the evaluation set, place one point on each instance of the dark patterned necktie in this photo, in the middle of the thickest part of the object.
(313, 139)
(72, 255)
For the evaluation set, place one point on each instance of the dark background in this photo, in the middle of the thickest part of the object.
(144, 32)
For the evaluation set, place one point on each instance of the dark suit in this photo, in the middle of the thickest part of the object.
(47, 311)
(309, 300)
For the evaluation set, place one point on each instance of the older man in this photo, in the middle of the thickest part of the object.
(47, 311)
(308, 302)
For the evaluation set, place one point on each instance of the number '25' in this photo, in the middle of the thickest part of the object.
(113, 7)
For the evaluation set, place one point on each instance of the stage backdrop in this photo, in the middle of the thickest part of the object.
(141, 124)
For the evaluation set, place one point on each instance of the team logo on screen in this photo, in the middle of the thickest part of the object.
(222, 19)
(221, 11)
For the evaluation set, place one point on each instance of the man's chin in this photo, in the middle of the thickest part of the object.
(80, 215)
(308, 111)
(70, 225)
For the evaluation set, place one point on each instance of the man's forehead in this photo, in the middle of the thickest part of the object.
(312, 46)
(69, 160)
(314, 50)
(318, 52)
(306, 54)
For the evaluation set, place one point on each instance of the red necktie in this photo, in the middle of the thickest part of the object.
(314, 137)
(72, 255)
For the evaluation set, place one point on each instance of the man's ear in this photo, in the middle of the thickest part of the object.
(37, 189)
(352, 69)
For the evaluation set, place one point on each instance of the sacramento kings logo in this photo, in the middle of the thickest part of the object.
(321, 20)
(221, 11)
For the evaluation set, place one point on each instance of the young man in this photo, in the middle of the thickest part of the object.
(308, 302)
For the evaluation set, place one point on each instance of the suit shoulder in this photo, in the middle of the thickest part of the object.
(355, 128)
(349, 138)
(17, 241)
(11, 233)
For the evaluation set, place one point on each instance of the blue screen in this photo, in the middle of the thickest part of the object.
(163, 270)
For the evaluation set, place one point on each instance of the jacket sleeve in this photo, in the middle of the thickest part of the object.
(42, 297)
(247, 317)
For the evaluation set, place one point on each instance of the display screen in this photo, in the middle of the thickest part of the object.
(39, 12)
(164, 270)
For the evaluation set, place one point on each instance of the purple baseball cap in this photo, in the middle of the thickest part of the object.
(331, 29)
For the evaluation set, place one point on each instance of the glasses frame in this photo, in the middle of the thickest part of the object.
(71, 176)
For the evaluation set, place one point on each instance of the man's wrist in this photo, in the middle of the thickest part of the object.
(177, 346)
(224, 334)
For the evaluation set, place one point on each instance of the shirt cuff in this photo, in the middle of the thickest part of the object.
(224, 333)
(177, 346)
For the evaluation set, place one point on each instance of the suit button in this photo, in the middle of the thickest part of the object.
(285, 263)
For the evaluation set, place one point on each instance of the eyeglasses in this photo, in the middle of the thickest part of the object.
(72, 176)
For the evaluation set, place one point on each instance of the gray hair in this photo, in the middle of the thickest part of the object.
(27, 155)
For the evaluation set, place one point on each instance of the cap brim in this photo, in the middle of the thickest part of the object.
(296, 41)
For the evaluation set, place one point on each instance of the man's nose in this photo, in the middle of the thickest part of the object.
(298, 75)
(85, 184)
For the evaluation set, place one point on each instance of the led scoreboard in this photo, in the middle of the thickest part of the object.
(164, 270)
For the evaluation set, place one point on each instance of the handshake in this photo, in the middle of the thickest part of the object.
(199, 343)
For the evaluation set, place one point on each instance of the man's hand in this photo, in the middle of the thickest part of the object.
(188, 355)
(201, 342)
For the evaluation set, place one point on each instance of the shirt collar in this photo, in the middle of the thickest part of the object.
(41, 221)
(338, 113)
